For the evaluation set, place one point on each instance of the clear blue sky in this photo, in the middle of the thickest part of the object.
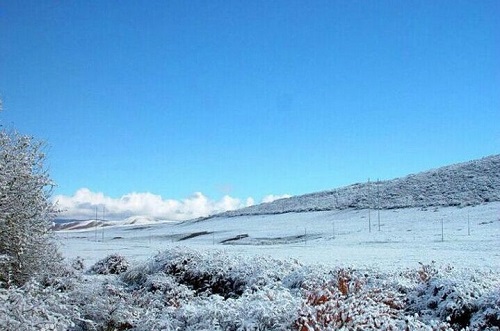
(249, 98)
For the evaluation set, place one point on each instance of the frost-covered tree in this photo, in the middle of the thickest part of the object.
(27, 248)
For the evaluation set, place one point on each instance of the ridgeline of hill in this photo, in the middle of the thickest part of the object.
(462, 184)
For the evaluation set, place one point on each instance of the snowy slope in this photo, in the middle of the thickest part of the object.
(98, 223)
(463, 184)
(464, 237)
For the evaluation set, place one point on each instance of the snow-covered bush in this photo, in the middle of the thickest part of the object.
(112, 264)
(270, 308)
(186, 289)
(36, 307)
(462, 299)
(487, 316)
(78, 264)
(353, 301)
(225, 274)
(103, 304)
(26, 212)
(215, 290)
(253, 293)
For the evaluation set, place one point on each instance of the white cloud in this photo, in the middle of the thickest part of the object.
(250, 202)
(272, 197)
(83, 204)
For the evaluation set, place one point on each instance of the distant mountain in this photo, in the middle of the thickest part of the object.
(61, 225)
(462, 184)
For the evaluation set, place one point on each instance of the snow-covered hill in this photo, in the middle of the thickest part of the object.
(62, 225)
(463, 184)
(395, 238)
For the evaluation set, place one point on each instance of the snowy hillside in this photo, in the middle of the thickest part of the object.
(464, 184)
(466, 237)
(62, 225)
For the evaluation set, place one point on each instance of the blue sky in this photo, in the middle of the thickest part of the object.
(249, 98)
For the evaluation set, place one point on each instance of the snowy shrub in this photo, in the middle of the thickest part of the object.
(268, 309)
(113, 264)
(27, 247)
(159, 290)
(103, 304)
(225, 275)
(35, 307)
(456, 297)
(78, 264)
(190, 290)
(304, 276)
(488, 315)
(187, 289)
(350, 302)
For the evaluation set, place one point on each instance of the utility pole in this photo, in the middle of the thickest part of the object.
(442, 229)
(369, 207)
(468, 223)
(103, 210)
(378, 203)
(95, 232)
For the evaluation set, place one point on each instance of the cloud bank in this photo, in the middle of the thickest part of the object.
(272, 197)
(84, 203)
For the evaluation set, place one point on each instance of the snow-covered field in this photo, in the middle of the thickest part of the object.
(295, 271)
(466, 237)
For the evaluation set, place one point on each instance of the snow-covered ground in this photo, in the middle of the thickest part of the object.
(295, 271)
(466, 237)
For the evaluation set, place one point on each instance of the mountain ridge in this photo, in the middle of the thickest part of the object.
(461, 184)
